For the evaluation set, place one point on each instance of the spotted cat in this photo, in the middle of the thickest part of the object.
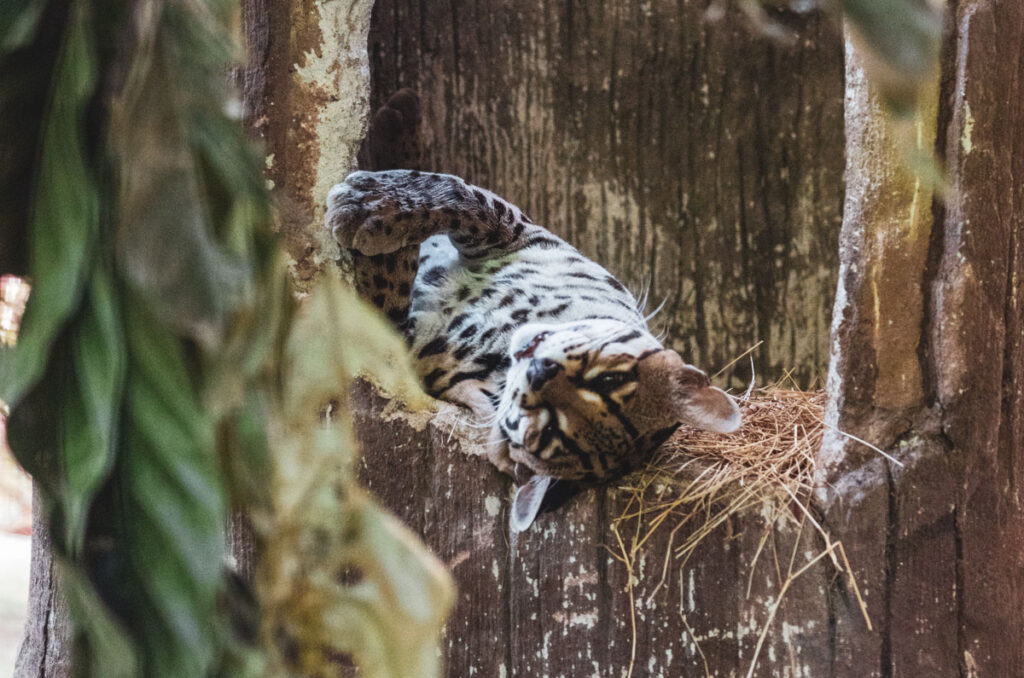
(509, 320)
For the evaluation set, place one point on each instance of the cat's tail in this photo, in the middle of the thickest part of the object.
(392, 142)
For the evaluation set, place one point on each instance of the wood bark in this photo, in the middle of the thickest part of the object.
(943, 554)
(46, 649)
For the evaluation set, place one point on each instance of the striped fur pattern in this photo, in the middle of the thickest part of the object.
(541, 343)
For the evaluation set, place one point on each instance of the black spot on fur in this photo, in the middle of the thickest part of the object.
(488, 334)
(403, 289)
(397, 315)
(380, 281)
(457, 321)
(629, 336)
(462, 293)
(468, 332)
(431, 379)
(438, 345)
(434, 276)
(518, 230)
(499, 207)
(493, 361)
(462, 351)
(480, 198)
(615, 284)
(378, 300)
(557, 310)
(521, 315)
(543, 241)
(507, 300)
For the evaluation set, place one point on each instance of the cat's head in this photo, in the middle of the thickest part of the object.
(588, 401)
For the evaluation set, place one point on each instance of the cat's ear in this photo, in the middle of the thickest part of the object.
(691, 397)
(527, 501)
(702, 405)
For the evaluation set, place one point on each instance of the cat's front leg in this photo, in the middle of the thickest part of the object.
(380, 212)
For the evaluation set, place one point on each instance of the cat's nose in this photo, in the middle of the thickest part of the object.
(540, 371)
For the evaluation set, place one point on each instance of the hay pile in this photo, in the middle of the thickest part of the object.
(701, 478)
(698, 480)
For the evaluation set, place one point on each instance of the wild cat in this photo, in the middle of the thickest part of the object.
(509, 320)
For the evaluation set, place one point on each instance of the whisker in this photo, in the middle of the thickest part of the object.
(661, 306)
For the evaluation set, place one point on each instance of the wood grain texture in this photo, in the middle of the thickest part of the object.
(46, 649)
(644, 136)
(554, 600)
(698, 157)
(946, 555)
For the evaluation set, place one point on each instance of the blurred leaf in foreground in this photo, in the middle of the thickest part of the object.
(899, 41)
(158, 379)
(340, 579)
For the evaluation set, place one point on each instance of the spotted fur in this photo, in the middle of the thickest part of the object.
(511, 321)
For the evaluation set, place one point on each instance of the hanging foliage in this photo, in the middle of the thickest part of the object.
(159, 379)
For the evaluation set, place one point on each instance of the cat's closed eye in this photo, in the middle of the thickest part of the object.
(607, 382)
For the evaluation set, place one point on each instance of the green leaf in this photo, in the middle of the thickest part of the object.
(904, 33)
(91, 412)
(337, 336)
(192, 200)
(172, 501)
(19, 20)
(102, 646)
(65, 216)
(902, 39)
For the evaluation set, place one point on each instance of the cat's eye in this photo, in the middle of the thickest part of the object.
(608, 381)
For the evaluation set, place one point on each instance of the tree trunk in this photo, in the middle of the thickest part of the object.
(46, 650)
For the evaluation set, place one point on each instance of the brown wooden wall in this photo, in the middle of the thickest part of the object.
(602, 121)
(696, 155)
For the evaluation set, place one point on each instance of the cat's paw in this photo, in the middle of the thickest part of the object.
(359, 215)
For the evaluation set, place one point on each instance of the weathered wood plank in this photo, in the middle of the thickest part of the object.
(644, 136)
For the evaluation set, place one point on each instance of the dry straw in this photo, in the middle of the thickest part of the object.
(698, 480)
